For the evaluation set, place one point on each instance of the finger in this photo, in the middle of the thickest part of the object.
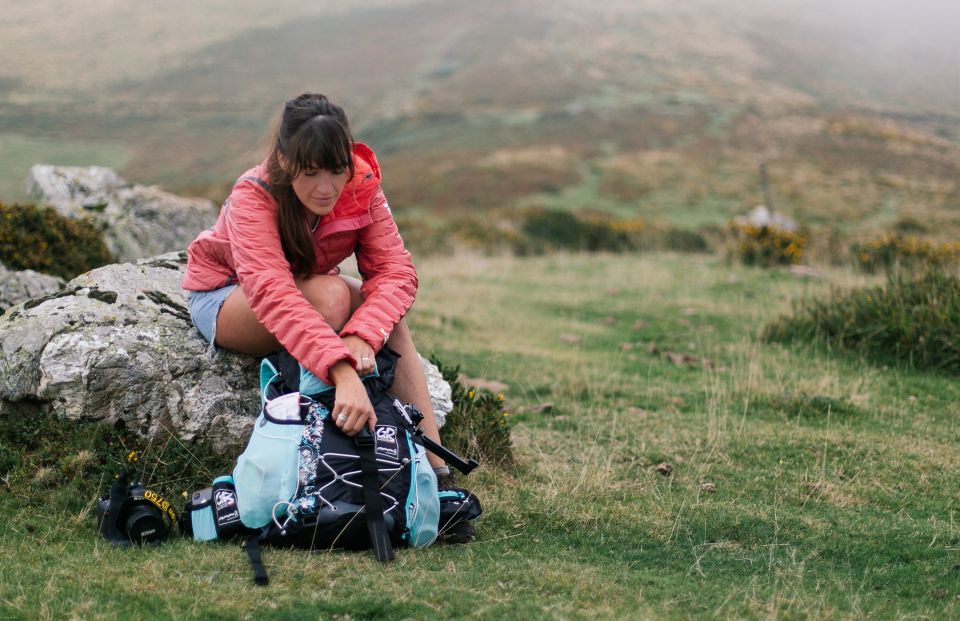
(341, 416)
(366, 362)
(357, 422)
(352, 427)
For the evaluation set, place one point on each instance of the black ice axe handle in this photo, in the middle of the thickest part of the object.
(412, 416)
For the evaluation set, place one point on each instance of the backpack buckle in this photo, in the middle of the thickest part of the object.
(364, 438)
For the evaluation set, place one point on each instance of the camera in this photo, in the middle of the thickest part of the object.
(134, 514)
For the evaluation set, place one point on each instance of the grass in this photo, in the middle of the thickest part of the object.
(833, 488)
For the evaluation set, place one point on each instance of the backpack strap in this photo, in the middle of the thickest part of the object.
(256, 562)
(370, 478)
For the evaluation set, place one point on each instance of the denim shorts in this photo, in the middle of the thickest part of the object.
(204, 307)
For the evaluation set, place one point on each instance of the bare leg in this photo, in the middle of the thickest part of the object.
(410, 384)
(238, 328)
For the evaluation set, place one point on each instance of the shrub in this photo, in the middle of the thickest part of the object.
(910, 252)
(767, 246)
(911, 320)
(553, 229)
(478, 427)
(39, 238)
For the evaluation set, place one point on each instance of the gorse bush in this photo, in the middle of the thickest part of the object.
(479, 425)
(39, 238)
(910, 252)
(911, 320)
(766, 246)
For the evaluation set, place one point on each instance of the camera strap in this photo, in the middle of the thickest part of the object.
(165, 506)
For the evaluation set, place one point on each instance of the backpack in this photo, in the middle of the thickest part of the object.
(301, 482)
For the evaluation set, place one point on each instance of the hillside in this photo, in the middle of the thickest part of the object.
(643, 109)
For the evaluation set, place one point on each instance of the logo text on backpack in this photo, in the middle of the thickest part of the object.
(225, 498)
(386, 437)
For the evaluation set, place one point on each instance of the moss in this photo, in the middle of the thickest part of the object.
(168, 306)
(108, 297)
(53, 296)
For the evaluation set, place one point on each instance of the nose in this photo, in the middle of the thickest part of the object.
(324, 185)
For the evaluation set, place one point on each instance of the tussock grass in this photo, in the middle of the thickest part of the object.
(912, 320)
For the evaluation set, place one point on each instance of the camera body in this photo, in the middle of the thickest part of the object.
(134, 514)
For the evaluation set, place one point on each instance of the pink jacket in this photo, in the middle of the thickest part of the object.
(245, 244)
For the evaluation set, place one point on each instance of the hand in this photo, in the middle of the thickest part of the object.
(361, 350)
(351, 405)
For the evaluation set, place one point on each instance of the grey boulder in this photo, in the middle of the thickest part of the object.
(19, 285)
(137, 221)
(116, 344)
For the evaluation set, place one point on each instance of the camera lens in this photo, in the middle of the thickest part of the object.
(145, 525)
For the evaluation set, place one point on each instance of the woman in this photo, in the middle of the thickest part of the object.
(266, 276)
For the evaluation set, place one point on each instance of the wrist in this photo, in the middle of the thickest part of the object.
(342, 371)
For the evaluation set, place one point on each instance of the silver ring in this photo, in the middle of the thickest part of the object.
(364, 358)
(342, 418)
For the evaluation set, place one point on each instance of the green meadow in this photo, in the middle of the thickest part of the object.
(669, 463)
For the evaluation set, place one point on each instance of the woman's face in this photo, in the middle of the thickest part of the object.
(318, 189)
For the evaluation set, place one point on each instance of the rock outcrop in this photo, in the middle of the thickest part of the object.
(137, 221)
(17, 286)
(117, 344)
(761, 216)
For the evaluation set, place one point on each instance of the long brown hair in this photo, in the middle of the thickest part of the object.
(313, 132)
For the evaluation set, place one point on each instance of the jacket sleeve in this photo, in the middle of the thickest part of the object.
(389, 278)
(265, 277)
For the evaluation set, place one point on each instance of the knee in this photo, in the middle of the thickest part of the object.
(330, 296)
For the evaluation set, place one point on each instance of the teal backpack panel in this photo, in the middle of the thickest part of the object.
(266, 471)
